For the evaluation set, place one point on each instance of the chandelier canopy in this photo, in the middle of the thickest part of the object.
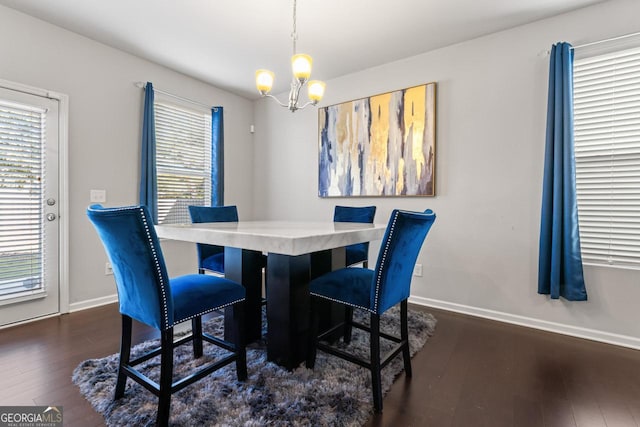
(301, 67)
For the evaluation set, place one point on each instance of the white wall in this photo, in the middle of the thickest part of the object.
(481, 255)
(105, 128)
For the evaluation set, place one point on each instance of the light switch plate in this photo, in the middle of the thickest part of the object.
(98, 196)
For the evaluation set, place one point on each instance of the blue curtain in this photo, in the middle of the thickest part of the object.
(148, 174)
(217, 156)
(560, 264)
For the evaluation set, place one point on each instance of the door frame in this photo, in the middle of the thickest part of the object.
(63, 188)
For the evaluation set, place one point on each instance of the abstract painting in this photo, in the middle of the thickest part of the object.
(383, 145)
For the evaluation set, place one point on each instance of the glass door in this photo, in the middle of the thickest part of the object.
(29, 226)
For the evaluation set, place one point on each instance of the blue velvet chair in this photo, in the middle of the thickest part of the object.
(375, 291)
(211, 257)
(146, 294)
(358, 253)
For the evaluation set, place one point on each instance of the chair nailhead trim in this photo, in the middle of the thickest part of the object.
(156, 261)
(209, 311)
(383, 261)
(343, 302)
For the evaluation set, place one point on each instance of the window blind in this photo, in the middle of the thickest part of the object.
(183, 161)
(22, 141)
(607, 151)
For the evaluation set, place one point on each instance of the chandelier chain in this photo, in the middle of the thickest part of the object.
(294, 34)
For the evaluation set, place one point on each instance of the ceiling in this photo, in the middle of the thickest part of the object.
(223, 42)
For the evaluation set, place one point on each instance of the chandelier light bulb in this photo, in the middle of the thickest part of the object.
(264, 81)
(316, 90)
(301, 66)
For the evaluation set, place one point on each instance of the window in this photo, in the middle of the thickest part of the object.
(607, 150)
(183, 160)
(22, 144)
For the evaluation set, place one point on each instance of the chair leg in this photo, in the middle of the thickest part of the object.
(125, 354)
(376, 382)
(404, 336)
(166, 377)
(196, 329)
(348, 321)
(312, 342)
(240, 342)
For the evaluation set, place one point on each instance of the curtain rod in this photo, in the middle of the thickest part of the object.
(143, 85)
(606, 40)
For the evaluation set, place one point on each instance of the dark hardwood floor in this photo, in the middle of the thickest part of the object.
(472, 372)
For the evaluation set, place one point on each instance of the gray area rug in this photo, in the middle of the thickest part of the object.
(335, 393)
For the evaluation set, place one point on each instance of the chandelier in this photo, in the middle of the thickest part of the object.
(301, 66)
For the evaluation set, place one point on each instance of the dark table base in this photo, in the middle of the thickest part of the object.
(288, 299)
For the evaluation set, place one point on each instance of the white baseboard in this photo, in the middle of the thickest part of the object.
(590, 334)
(96, 302)
(574, 331)
(183, 327)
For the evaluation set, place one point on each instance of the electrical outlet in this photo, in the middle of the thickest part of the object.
(417, 270)
(108, 270)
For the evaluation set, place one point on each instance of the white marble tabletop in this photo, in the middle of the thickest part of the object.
(282, 237)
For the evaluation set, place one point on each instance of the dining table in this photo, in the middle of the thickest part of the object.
(296, 252)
